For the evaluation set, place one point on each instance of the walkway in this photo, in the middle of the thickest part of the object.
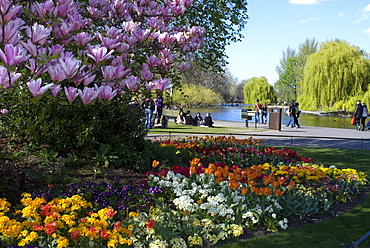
(320, 137)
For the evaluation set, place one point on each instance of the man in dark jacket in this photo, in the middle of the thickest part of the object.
(358, 114)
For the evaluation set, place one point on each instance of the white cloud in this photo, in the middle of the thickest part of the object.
(366, 31)
(342, 13)
(364, 15)
(303, 1)
(309, 20)
(367, 8)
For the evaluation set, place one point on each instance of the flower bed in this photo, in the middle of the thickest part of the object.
(183, 206)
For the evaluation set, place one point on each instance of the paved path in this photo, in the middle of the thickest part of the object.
(321, 137)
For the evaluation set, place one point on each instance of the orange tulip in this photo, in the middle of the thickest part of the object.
(268, 179)
(243, 191)
(281, 180)
(194, 161)
(208, 170)
(291, 185)
(266, 191)
(278, 192)
(234, 185)
(192, 170)
(275, 184)
(155, 163)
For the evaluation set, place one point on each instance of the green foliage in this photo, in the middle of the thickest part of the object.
(81, 129)
(258, 88)
(224, 21)
(291, 68)
(337, 72)
(192, 95)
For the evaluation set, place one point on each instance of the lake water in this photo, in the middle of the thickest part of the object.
(227, 113)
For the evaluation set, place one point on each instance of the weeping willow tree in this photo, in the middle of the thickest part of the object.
(336, 73)
(258, 88)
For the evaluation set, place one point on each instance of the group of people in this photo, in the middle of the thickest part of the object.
(361, 112)
(153, 109)
(261, 111)
(185, 118)
(293, 112)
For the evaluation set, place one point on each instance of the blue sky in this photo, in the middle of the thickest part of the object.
(274, 25)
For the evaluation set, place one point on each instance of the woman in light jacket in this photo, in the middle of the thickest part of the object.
(365, 113)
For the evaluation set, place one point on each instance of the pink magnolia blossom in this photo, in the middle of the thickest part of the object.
(162, 38)
(178, 10)
(108, 42)
(88, 95)
(71, 93)
(55, 89)
(131, 40)
(56, 72)
(36, 68)
(163, 84)
(99, 54)
(146, 73)
(38, 33)
(140, 34)
(5, 76)
(184, 67)
(150, 86)
(84, 77)
(35, 87)
(83, 39)
(11, 31)
(152, 61)
(30, 47)
(106, 92)
(128, 26)
(114, 72)
(132, 83)
(70, 66)
(10, 10)
(4, 111)
(14, 55)
(41, 9)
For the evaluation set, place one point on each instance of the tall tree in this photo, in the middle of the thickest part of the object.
(258, 88)
(337, 71)
(224, 20)
(287, 70)
(305, 49)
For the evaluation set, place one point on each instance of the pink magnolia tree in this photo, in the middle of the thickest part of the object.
(93, 50)
(61, 61)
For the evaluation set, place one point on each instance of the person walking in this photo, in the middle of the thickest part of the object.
(297, 114)
(148, 106)
(365, 113)
(257, 108)
(358, 114)
(264, 113)
(158, 108)
(292, 115)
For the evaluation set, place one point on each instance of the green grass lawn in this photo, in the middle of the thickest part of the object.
(336, 232)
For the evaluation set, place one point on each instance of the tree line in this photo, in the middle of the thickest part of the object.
(329, 75)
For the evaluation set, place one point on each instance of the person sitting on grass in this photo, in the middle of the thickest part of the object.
(198, 120)
(188, 118)
(208, 122)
